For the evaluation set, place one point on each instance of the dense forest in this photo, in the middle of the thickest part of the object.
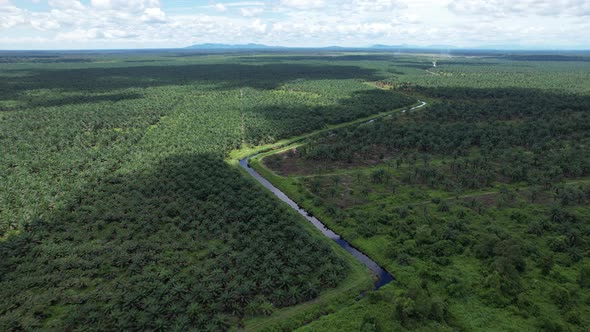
(121, 208)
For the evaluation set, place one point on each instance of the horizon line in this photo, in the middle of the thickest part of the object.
(372, 47)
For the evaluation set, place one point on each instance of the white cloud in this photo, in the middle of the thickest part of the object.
(258, 26)
(344, 7)
(10, 15)
(250, 12)
(101, 4)
(44, 24)
(80, 35)
(153, 15)
(378, 5)
(303, 4)
(521, 7)
(66, 4)
(136, 23)
(125, 5)
(224, 6)
(220, 7)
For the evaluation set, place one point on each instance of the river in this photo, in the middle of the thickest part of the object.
(383, 277)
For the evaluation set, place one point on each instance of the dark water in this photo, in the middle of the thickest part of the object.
(383, 276)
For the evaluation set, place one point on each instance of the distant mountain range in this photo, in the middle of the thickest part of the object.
(414, 47)
(376, 47)
(211, 46)
(232, 47)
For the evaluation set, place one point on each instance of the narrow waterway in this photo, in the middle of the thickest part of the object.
(383, 276)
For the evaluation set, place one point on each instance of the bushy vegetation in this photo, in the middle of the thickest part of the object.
(477, 204)
(504, 136)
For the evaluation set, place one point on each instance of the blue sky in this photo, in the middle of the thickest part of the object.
(89, 24)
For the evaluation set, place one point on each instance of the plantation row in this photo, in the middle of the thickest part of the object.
(51, 149)
(119, 213)
(188, 244)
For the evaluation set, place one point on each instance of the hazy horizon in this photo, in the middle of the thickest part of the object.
(410, 49)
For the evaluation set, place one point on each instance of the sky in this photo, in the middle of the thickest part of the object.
(121, 24)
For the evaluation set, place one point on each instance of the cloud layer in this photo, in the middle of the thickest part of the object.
(522, 8)
(45, 24)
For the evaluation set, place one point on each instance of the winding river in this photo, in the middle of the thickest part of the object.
(383, 277)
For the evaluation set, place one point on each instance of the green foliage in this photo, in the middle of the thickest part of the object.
(507, 136)
(118, 210)
(490, 206)
(584, 277)
(128, 253)
(119, 213)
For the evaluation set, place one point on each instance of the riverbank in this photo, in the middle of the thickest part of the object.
(358, 281)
